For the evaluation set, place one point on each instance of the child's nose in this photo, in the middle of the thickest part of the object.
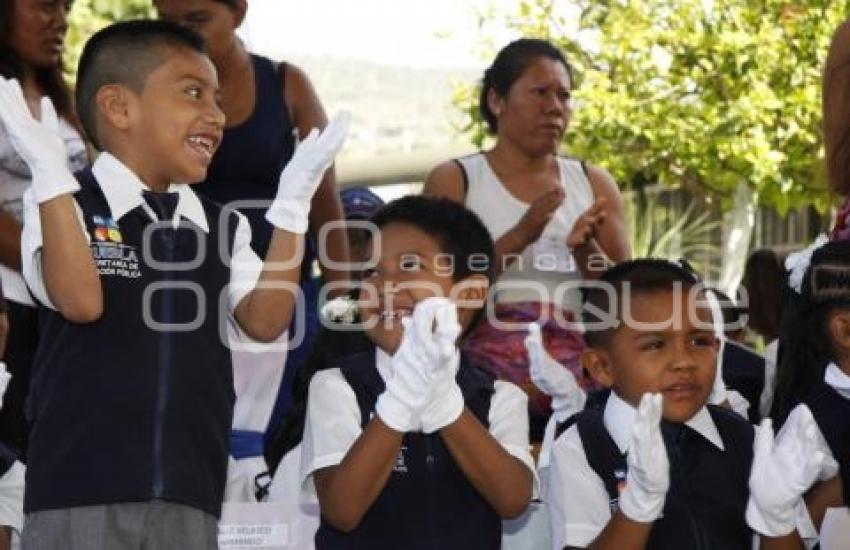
(683, 358)
(216, 116)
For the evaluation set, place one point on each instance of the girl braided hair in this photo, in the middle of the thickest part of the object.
(805, 347)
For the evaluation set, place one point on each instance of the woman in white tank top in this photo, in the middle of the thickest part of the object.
(555, 221)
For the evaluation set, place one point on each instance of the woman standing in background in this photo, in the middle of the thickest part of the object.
(556, 221)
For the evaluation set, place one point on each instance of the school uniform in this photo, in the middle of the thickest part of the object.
(427, 501)
(829, 403)
(710, 457)
(136, 407)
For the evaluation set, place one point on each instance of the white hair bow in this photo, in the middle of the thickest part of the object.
(798, 262)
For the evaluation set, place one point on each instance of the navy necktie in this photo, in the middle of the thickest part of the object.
(163, 204)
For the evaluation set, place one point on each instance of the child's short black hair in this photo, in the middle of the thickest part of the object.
(125, 53)
(460, 233)
(640, 276)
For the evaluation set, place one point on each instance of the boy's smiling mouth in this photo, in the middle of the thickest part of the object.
(203, 144)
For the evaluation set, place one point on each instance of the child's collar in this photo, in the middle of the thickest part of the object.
(123, 191)
(619, 419)
(837, 379)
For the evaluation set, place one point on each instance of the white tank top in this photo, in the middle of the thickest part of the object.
(545, 271)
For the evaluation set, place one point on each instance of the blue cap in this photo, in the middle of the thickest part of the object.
(360, 203)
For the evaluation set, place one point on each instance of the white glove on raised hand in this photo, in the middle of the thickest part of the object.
(414, 369)
(782, 472)
(552, 378)
(648, 478)
(446, 403)
(38, 143)
(301, 176)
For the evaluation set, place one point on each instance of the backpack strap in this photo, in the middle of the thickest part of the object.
(361, 374)
(595, 401)
(602, 453)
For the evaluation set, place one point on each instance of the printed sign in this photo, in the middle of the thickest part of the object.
(253, 526)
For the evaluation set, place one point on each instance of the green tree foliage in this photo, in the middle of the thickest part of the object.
(89, 16)
(703, 94)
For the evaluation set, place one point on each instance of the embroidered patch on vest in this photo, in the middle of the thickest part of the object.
(106, 230)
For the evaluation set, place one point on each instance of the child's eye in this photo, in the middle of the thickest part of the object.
(652, 345)
(196, 19)
(369, 273)
(703, 341)
(410, 263)
(194, 91)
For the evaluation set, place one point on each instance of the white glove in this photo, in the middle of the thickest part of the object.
(4, 381)
(648, 478)
(412, 377)
(38, 143)
(782, 472)
(301, 176)
(552, 378)
(446, 403)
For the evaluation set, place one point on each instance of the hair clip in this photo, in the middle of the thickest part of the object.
(798, 262)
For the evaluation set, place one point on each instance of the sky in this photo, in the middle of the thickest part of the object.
(417, 33)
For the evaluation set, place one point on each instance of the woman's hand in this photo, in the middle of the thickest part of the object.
(537, 216)
(585, 227)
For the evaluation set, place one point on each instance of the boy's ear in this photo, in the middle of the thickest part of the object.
(471, 292)
(838, 326)
(598, 364)
(470, 295)
(114, 105)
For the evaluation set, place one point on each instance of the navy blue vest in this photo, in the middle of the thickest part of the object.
(708, 487)
(121, 411)
(427, 502)
(832, 414)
